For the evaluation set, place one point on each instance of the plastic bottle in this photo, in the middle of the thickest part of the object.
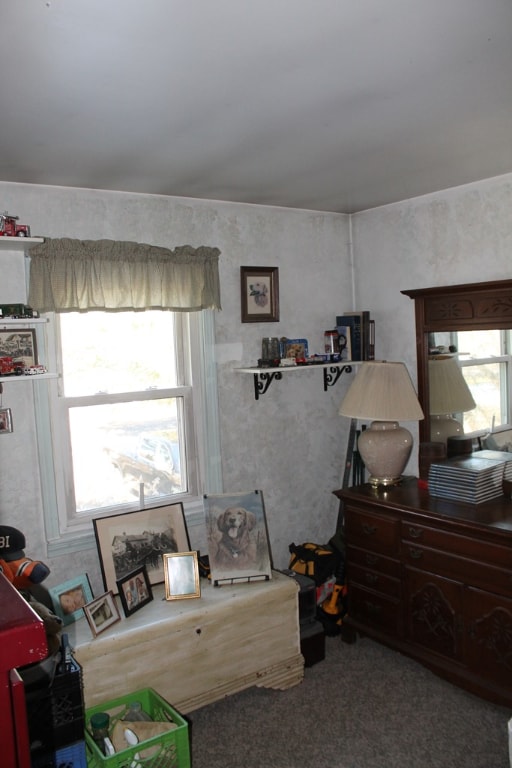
(99, 724)
(134, 712)
(331, 343)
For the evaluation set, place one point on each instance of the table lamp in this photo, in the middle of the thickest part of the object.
(383, 393)
(449, 394)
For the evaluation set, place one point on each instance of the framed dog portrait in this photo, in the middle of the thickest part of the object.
(260, 294)
(70, 597)
(181, 576)
(102, 612)
(238, 545)
(135, 590)
(135, 539)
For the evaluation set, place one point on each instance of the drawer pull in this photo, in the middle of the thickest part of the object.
(416, 554)
(369, 529)
(372, 559)
(371, 578)
(415, 533)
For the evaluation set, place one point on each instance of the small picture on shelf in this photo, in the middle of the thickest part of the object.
(345, 341)
(19, 345)
(296, 348)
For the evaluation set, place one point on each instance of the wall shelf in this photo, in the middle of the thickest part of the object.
(25, 377)
(263, 377)
(19, 243)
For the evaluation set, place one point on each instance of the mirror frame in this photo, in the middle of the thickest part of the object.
(467, 307)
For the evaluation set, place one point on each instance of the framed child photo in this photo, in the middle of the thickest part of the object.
(259, 294)
(102, 613)
(135, 590)
(70, 597)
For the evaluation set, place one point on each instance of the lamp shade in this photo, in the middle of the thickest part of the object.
(383, 393)
(449, 392)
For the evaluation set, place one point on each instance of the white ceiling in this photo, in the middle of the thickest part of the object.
(330, 105)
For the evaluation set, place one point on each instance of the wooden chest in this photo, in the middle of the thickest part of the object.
(195, 651)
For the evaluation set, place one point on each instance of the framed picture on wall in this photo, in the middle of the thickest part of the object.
(259, 294)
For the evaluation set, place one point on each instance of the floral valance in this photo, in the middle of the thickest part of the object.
(68, 275)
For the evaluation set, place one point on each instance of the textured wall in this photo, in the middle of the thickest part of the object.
(462, 235)
(291, 443)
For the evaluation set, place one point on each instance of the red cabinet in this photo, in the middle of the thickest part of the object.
(22, 641)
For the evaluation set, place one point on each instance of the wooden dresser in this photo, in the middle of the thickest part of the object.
(433, 579)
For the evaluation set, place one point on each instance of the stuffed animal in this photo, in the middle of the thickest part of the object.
(52, 624)
(20, 570)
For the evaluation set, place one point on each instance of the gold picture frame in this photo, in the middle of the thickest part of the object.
(181, 571)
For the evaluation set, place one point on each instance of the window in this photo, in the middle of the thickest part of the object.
(485, 359)
(126, 426)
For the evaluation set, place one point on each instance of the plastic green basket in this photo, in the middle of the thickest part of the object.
(170, 749)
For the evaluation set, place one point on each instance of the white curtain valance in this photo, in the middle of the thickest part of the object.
(68, 275)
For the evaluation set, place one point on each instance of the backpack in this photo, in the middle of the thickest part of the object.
(318, 561)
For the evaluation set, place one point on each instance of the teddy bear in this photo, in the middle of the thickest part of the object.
(24, 573)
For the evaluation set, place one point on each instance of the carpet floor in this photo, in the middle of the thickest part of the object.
(364, 706)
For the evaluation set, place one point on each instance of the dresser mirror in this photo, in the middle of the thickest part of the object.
(472, 323)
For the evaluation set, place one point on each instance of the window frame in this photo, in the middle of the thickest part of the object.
(198, 355)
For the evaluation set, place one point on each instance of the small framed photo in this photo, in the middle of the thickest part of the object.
(135, 590)
(70, 598)
(181, 572)
(102, 613)
(296, 348)
(260, 294)
(5, 421)
(20, 344)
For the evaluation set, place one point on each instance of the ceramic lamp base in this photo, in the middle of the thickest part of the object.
(443, 427)
(385, 448)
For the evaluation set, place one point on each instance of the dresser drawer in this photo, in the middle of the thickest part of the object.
(378, 533)
(464, 570)
(373, 560)
(387, 585)
(465, 546)
(374, 611)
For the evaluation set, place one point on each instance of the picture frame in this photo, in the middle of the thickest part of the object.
(237, 536)
(70, 598)
(181, 571)
(259, 294)
(102, 613)
(20, 344)
(5, 421)
(129, 540)
(135, 590)
(296, 348)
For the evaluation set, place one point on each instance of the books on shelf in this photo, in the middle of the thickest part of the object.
(362, 333)
(474, 479)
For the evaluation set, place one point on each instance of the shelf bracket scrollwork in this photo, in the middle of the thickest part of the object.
(262, 382)
(331, 375)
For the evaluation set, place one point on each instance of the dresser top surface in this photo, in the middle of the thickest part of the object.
(495, 515)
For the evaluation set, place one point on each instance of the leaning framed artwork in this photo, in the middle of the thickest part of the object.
(102, 612)
(238, 544)
(133, 539)
(20, 344)
(259, 294)
(181, 571)
(70, 597)
(135, 590)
